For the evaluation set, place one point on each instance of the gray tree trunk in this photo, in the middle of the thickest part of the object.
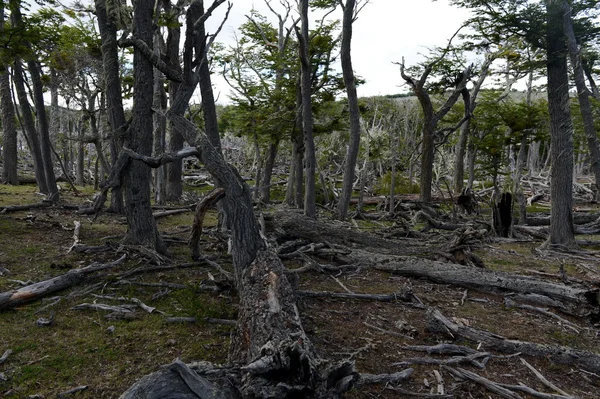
(350, 83)
(561, 129)
(310, 205)
(583, 94)
(294, 193)
(465, 129)
(159, 102)
(79, 176)
(142, 228)
(42, 118)
(9, 130)
(114, 98)
(29, 127)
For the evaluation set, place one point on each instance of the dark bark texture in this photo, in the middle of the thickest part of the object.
(142, 228)
(561, 130)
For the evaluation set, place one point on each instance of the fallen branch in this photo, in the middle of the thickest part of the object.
(492, 386)
(5, 355)
(436, 322)
(72, 391)
(543, 379)
(397, 296)
(10, 299)
(17, 208)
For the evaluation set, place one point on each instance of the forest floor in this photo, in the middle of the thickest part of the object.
(107, 350)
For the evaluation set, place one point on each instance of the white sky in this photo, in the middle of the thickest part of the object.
(385, 31)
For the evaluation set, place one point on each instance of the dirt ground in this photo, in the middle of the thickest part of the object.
(106, 351)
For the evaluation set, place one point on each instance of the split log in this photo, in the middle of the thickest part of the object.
(437, 322)
(10, 299)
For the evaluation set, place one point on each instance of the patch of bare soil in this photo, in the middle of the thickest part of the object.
(106, 349)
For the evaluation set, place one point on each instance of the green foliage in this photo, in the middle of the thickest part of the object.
(402, 185)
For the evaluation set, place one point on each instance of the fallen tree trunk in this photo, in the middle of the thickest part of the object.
(437, 322)
(332, 232)
(584, 299)
(32, 292)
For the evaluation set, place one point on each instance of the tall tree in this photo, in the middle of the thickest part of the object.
(562, 234)
(38, 98)
(583, 94)
(310, 205)
(142, 229)
(107, 25)
(350, 11)
(9, 128)
(431, 116)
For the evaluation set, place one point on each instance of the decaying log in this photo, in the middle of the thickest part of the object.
(210, 199)
(437, 322)
(17, 208)
(492, 386)
(10, 299)
(270, 344)
(298, 226)
(481, 279)
(404, 296)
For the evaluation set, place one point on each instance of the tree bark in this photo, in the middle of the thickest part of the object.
(114, 98)
(561, 130)
(350, 83)
(583, 94)
(9, 128)
(28, 125)
(142, 229)
(310, 205)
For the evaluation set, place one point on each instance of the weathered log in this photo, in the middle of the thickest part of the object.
(437, 322)
(10, 299)
(296, 225)
(481, 279)
(17, 208)
(578, 218)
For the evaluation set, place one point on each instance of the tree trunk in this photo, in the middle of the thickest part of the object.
(267, 171)
(29, 128)
(9, 128)
(79, 177)
(159, 102)
(350, 83)
(142, 228)
(561, 129)
(42, 118)
(174, 170)
(310, 206)
(583, 94)
(114, 98)
(465, 129)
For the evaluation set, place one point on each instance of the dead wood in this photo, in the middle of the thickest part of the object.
(209, 200)
(333, 232)
(436, 322)
(579, 218)
(17, 208)
(10, 299)
(481, 279)
(209, 320)
(492, 386)
(468, 359)
(72, 391)
(171, 212)
(404, 296)
(5, 355)
(394, 378)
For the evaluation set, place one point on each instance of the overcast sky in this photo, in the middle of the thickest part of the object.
(386, 31)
